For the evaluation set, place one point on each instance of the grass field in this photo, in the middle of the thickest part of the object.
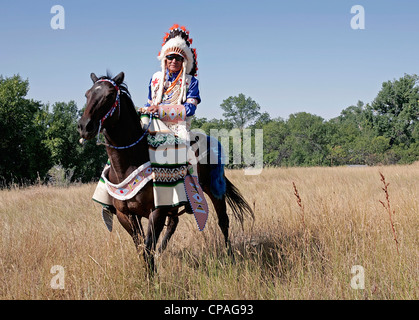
(278, 256)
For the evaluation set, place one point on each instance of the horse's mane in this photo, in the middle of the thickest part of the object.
(123, 86)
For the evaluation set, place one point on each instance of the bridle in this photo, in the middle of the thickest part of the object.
(117, 104)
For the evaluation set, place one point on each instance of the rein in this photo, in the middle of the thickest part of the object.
(117, 104)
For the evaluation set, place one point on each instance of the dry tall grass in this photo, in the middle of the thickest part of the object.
(345, 226)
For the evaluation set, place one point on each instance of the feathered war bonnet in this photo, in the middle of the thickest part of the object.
(177, 41)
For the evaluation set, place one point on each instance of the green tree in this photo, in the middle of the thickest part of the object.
(23, 156)
(396, 109)
(84, 163)
(262, 119)
(275, 152)
(307, 139)
(240, 110)
(61, 134)
(198, 122)
(349, 135)
(216, 124)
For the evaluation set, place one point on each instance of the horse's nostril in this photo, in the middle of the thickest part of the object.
(80, 128)
(86, 127)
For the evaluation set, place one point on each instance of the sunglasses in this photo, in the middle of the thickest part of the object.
(174, 56)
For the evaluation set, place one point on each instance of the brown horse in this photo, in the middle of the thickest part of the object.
(113, 113)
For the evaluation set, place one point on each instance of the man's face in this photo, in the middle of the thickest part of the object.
(174, 62)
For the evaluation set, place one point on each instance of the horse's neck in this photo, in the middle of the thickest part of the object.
(125, 132)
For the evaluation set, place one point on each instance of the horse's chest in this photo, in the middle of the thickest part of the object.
(142, 204)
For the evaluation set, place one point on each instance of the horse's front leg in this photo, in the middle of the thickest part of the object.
(132, 223)
(171, 228)
(155, 227)
(138, 232)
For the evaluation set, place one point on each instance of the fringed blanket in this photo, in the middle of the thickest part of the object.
(170, 160)
(128, 188)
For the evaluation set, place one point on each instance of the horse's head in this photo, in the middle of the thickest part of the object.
(102, 101)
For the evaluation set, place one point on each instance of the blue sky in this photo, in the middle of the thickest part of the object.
(289, 56)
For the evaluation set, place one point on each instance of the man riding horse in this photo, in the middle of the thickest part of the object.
(141, 179)
(174, 89)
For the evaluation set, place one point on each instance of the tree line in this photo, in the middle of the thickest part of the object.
(39, 142)
(382, 132)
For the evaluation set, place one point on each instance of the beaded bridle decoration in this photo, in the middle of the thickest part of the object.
(110, 113)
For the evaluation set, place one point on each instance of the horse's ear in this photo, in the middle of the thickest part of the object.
(93, 77)
(119, 78)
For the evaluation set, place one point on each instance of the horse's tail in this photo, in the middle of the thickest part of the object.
(241, 209)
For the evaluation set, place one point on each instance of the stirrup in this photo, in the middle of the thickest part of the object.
(107, 216)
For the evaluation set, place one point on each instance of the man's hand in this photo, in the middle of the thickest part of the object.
(153, 109)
